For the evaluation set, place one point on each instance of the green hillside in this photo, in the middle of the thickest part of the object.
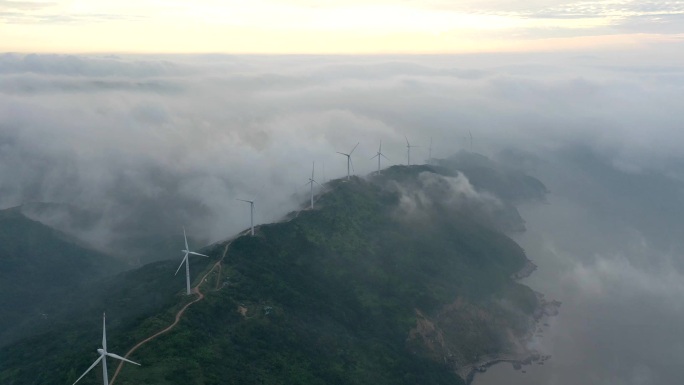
(131, 240)
(399, 278)
(41, 267)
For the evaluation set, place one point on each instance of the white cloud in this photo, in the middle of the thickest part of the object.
(617, 278)
(450, 193)
(124, 132)
(161, 142)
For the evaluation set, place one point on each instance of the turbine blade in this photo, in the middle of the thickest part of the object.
(313, 167)
(193, 253)
(90, 368)
(122, 359)
(316, 182)
(376, 155)
(342, 153)
(104, 333)
(186, 239)
(179, 266)
(407, 142)
(383, 155)
(357, 144)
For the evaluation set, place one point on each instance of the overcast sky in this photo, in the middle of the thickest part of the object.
(334, 26)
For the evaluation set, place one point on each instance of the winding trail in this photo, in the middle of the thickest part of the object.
(200, 296)
(220, 266)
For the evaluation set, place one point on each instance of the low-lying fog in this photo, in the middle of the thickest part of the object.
(609, 246)
(148, 144)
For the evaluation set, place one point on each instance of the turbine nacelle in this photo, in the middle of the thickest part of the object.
(311, 182)
(379, 155)
(349, 161)
(408, 151)
(187, 263)
(103, 357)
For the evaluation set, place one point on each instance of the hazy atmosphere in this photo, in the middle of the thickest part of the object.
(131, 121)
(150, 144)
(156, 143)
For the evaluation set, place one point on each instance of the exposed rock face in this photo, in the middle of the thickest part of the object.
(470, 338)
(461, 333)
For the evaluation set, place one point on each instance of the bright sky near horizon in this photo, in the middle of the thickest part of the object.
(334, 26)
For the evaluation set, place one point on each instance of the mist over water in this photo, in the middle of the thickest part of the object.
(613, 256)
(147, 144)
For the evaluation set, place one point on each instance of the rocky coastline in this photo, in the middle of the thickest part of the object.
(545, 310)
(525, 272)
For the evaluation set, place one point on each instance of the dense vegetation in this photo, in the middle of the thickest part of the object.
(40, 267)
(73, 335)
(400, 278)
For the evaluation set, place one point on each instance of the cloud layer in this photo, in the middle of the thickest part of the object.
(608, 245)
(126, 135)
(148, 144)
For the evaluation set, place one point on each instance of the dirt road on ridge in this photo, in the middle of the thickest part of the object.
(200, 296)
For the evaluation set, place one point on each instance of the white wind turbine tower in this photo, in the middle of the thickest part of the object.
(103, 357)
(380, 155)
(251, 213)
(430, 152)
(187, 263)
(349, 161)
(311, 182)
(408, 151)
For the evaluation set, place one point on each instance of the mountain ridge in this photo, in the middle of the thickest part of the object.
(40, 265)
(337, 294)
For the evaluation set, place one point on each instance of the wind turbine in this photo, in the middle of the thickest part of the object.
(251, 212)
(408, 151)
(312, 181)
(349, 161)
(430, 152)
(187, 263)
(103, 357)
(380, 155)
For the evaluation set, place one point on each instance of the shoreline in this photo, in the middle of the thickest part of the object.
(545, 310)
(518, 363)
